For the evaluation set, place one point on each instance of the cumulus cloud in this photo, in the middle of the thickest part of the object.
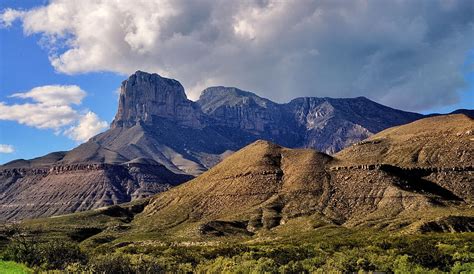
(54, 95)
(6, 148)
(52, 109)
(407, 54)
(89, 125)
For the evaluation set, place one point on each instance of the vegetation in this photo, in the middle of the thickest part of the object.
(13, 268)
(333, 249)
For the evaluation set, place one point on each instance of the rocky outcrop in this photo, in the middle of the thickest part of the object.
(145, 97)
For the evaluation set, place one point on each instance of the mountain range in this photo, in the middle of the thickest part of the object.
(268, 193)
(159, 139)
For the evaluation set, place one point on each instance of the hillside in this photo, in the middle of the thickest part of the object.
(440, 141)
(42, 192)
(265, 186)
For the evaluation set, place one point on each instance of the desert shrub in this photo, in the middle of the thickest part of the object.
(262, 265)
(294, 267)
(284, 254)
(189, 255)
(460, 267)
(58, 254)
(342, 261)
(403, 264)
(23, 247)
(46, 255)
(217, 265)
(313, 264)
(237, 265)
(22, 252)
(224, 251)
(425, 253)
(146, 264)
(110, 263)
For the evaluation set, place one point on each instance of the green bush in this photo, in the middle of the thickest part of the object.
(45, 255)
(426, 254)
(58, 254)
(110, 263)
(20, 253)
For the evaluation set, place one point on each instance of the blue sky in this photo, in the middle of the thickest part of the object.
(25, 65)
(194, 53)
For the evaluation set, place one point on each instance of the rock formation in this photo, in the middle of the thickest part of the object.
(145, 97)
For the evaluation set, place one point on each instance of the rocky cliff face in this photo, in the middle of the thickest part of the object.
(250, 114)
(145, 97)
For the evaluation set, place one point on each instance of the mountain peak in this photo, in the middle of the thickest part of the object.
(221, 90)
(214, 97)
(145, 97)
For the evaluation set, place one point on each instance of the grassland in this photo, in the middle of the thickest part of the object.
(13, 268)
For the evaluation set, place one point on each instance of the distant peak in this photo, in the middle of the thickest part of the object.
(222, 90)
(213, 98)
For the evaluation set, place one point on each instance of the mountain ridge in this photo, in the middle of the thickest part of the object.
(156, 124)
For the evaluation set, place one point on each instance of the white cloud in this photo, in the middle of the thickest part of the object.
(54, 95)
(407, 54)
(243, 28)
(89, 125)
(9, 16)
(52, 109)
(6, 148)
(38, 115)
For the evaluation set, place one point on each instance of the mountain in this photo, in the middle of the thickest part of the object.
(159, 138)
(467, 112)
(264, 192)
(155, 120)
(264, 186)
(325, 124)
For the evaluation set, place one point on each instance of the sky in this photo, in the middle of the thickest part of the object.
(62, 61)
